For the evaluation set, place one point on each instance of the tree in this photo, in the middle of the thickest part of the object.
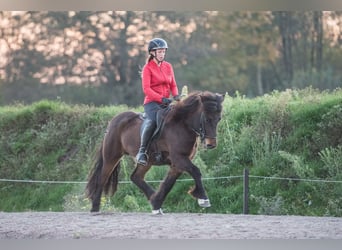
(302, 41)
(250, 52)
(244, 44)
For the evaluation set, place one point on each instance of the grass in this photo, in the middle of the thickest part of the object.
(289, 134)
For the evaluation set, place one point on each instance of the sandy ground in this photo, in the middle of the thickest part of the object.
(104, 225)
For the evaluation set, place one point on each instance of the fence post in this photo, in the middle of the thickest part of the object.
(245, 190)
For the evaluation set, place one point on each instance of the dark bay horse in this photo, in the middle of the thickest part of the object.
(195, 116)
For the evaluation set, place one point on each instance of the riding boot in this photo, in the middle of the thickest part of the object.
(146, 131)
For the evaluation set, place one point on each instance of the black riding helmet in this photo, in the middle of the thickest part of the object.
(157, 43)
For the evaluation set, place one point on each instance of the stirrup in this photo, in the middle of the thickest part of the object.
(142, 161)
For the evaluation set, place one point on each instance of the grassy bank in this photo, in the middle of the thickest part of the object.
(293, 138)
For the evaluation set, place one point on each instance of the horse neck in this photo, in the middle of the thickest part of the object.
(193, 121)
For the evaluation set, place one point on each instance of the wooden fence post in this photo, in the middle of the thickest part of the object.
(245, 190)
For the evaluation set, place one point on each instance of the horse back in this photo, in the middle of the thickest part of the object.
(123, 133)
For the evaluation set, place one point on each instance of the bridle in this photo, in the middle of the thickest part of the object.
(201, 130)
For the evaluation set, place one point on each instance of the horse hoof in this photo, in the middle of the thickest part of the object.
(157, 212)
(204, 202)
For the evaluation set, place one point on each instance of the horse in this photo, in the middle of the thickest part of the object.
(184, 123)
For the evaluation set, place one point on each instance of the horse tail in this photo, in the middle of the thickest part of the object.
(111, 185)
(94, 176)
(94, 179)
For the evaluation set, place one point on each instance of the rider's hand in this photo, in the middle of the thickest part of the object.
(176, 98)
(166, 101)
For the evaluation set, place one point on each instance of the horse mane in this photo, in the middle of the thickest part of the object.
(211, 103)
(185, 107)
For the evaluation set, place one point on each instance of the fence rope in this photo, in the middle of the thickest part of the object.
(293, 179)
(179, 180)
(44, 182)
(125, 182)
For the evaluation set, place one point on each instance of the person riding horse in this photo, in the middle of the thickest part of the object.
(158, 81)
(195, 116)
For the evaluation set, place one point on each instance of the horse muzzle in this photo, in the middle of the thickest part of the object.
(210, 143)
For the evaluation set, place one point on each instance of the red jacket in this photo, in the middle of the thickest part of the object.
(158, 81)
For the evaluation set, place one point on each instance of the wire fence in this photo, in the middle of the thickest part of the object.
(124, 181)
(179, 180)
(245, 178)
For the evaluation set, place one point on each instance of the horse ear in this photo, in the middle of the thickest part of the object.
(220, 97)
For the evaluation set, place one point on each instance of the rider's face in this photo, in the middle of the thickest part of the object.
(160, 54)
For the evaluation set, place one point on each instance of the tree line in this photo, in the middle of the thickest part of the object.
(50, 53)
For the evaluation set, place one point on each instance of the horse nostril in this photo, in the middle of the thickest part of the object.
(210, 143)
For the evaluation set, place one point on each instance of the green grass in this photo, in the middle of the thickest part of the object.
(290, 134)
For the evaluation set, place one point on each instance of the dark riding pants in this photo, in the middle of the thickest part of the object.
(151, 110)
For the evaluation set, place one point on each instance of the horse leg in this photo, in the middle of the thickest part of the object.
(137, 178)
(158, 198)
(198, 191)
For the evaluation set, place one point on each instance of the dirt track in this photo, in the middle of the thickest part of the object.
(82, 225)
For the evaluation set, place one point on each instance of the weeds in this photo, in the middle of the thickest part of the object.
(292, 134)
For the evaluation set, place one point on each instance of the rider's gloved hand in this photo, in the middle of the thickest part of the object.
(176, 98)
(166, 101)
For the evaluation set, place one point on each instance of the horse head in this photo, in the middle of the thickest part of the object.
(201, 112)
(209, 118)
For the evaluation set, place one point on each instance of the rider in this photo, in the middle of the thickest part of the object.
(158, 81)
